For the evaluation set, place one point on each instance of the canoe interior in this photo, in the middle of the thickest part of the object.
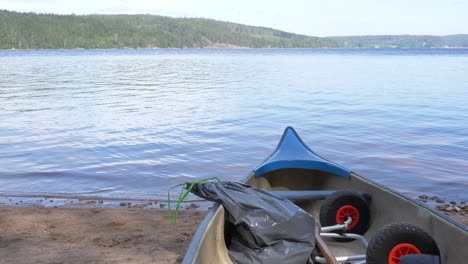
(386, 207)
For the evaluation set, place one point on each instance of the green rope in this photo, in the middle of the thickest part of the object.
(182, 196)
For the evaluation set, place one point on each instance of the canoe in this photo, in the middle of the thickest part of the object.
(296, 172)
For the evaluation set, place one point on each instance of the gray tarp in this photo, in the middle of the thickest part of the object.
(267, 228)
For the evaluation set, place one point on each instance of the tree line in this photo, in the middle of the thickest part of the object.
(50, 31)
(403, 41)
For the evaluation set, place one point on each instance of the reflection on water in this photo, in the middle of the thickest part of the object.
(133, 123)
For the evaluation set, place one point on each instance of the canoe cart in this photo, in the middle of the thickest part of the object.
(395, 243)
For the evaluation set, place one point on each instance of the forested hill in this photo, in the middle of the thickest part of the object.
(403, 41)
(47, 31)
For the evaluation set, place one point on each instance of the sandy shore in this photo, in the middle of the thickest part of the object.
(94, 235)
(108, 231)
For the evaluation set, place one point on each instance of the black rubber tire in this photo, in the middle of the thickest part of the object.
(391, 235)
(335, 201)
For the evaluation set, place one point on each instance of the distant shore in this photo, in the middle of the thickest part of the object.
(239, 48)
(146, 31)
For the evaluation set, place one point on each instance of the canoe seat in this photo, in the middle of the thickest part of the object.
(310, 195)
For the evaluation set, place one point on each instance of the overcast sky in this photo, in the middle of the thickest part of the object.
(310, 17)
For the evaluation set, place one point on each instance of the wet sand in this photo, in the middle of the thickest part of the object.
(94, 235)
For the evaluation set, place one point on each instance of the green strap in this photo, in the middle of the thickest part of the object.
(182, 196)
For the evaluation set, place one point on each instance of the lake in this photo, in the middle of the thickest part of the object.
(133, 123)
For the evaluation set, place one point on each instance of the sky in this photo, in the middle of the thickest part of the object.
(309, 17)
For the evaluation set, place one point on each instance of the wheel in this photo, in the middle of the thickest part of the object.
(397, 240)
(337, 207)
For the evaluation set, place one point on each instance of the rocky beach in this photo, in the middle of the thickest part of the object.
(457, 210)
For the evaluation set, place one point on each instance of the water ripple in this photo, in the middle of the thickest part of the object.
(132, 123)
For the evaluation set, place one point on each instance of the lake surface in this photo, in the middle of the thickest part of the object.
(132, 123)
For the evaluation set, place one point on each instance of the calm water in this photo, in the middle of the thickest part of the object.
(132, 123)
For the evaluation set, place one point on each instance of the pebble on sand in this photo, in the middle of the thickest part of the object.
(449, 209)
(423, 197)
(442, 207)
(192, 206)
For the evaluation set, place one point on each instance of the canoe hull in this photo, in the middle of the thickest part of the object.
(289, 169)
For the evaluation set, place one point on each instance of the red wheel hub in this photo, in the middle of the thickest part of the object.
(401, 250)
(345, 211)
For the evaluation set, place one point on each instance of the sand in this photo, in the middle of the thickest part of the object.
(38, 234)
(94, 235)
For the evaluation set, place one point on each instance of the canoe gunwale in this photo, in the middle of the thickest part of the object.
(199, 234)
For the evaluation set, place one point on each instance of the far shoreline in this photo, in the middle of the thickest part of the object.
(237, 48)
